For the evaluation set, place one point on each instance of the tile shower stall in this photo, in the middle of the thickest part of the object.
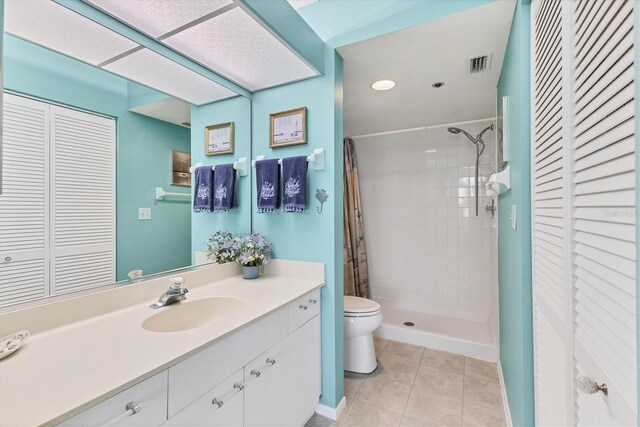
(432, 261)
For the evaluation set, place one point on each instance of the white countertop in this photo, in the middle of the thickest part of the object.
(62, 371)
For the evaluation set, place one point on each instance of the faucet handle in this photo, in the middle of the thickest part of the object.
(176, 282)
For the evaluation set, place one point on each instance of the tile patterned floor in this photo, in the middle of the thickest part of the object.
(417, 386)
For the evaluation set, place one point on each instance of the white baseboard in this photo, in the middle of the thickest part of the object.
(333, 413)
(505, 400)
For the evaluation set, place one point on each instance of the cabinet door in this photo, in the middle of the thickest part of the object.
(221, 406)
(149, 398)
(283, 384)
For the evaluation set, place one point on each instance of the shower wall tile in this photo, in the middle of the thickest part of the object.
(427, 250)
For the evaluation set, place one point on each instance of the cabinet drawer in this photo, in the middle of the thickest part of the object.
(303, 309)
(150, 394)
(191, 378)
(222, 406)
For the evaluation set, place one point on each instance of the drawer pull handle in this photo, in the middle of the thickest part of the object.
(218, 402)
(312, 301)
(7, 259)
(132, 408)
(258, 372)
(303, 307)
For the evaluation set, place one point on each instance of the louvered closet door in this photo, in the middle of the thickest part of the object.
(24, 202)
(604, 185)
(552, 296)
(83, 200)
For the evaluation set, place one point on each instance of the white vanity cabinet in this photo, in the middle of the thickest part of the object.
(265, 374)
(144, 404)
(283, 384)
(221, 406)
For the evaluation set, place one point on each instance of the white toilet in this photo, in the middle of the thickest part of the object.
(361, 317)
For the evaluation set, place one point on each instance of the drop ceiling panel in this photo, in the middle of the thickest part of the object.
(158, 17)
(156, 71)
(53, 26)
(236, 46)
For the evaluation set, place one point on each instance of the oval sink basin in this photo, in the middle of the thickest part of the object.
(187, 315)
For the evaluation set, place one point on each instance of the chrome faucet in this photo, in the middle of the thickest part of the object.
(175, 293)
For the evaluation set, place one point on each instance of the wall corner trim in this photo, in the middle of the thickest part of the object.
(333, 413)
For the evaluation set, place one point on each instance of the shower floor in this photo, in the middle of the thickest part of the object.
(461, 336)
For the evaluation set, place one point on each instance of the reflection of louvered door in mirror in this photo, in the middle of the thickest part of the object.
(583, 188)
(24, 202)
(57, 209)
(82, 200)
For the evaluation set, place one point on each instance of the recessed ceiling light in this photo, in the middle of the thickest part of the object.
(383, 85)
(438, 84)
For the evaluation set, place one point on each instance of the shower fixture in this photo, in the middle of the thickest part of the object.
(479, 143)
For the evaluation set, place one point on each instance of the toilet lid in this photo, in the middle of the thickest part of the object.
(359, 305)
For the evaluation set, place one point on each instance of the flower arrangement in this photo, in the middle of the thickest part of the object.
(254, 250)
(223, 247)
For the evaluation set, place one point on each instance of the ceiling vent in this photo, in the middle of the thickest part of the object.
(479, 64)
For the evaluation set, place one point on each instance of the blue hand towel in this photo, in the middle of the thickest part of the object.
(294, 178)
(224, 183)
(202, 189)
(268, 184)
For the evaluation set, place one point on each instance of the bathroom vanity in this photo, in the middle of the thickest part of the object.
(255, 361)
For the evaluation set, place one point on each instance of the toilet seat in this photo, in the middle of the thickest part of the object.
(360, 307)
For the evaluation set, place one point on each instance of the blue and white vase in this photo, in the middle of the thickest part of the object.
(250, 272)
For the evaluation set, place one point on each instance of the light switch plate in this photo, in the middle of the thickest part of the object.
(144, 214)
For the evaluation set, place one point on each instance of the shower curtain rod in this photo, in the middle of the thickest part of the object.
(391, 132)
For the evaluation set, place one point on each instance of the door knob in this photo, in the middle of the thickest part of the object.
(589, 386)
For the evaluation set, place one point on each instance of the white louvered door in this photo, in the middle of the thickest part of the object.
(57, 209)
(604, 181)
(83, 200)
(552, 309)
(24, 203)
(583, 201)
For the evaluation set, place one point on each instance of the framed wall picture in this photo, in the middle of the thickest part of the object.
(288, 128)
(218, 139)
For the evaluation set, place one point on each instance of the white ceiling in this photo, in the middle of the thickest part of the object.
(218, 34)
(169, 110)
(417, 57)
(50, 25)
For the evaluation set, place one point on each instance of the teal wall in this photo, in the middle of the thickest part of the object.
(514, 246)
(237, 110)
(311, 236)
(143, 159)
(143, 162)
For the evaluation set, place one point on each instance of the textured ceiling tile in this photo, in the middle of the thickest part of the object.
(236, 46)
(157, 17)
(156, 71)
(53, 26)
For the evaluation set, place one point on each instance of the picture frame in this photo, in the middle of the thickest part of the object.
(219, 139)
(288, 128)
(502, 133)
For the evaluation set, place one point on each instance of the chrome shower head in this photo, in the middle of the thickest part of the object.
(457, 131)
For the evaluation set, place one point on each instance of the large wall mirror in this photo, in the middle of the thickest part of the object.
(91, 120)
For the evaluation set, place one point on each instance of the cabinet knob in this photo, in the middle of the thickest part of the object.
(312, 301)
(303, 307)
(7, 259)
(589, 386)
